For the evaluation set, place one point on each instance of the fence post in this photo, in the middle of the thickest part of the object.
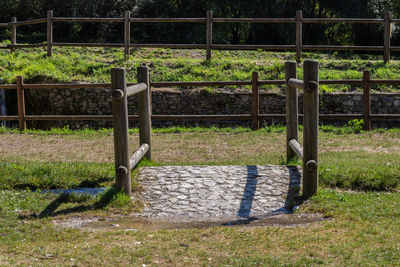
(127, 34)
(299, 34)
(21, 103)
(13, 34)
(386, 37)
(255, 102)
(209, 35)
(366, 100)
(121, 148)
(292, 117)
(310, 128)
(49, 33)
(144, 108)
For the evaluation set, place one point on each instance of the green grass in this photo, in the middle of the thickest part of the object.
(94, 65)
(362, 228)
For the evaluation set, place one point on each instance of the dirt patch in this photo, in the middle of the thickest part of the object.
(133, 223)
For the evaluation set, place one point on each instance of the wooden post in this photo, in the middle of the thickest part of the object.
(310, 128)
(144, 108)
(127, 34)
(292, 121)
(13, 33)
(299, 34)
(121, 149)
(21, 103)
(209, 35)
(49, 33)
(255, 101)
(386, 37)
(366, 100)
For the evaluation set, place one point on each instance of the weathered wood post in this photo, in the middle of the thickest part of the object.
(21, 103)
(386, 37)
(49, 33)
(120, 114)
(255, 102)
(299, 34)
(366, 100)
(292, 121)
(209, 35)
(310, 128)
(144, 108)
(127, 34)
(13, 34)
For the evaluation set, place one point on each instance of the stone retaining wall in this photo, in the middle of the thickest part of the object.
(166, 101)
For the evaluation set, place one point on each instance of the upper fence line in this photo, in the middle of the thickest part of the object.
(208, 46)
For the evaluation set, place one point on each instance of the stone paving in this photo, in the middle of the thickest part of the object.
(217, 191)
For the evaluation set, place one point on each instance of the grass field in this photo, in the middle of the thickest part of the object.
(94, 65)
(359, 197)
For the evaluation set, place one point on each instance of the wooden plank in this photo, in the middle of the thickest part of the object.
(181, 46)
(13, 33)
(200, 83)
(49, 33)
(296, 83)
(296, 148)
(299, 34)
(89, 44)
(209, 35)
(255, 102)
(341, 20)
(342, 47)
(127, 34)
(21, 103)
(386, 37)
(135, 89)
(366, 100)
(138, 155)
(169, 20)
(292, 121)
(227, 117)
(144, 108)
(253, 47)
(12, 46)
(91, 20)
(310, 128)
(27, 22)
(121, 145)
(254, 20)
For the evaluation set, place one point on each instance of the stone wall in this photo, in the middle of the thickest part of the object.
(166, 101)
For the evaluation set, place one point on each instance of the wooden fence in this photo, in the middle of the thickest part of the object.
(254, 117)
(309, 152)
(127, 20)
(120, 93)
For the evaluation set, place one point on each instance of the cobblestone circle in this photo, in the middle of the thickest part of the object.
(217, 191)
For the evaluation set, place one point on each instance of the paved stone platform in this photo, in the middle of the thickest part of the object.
(217, 191)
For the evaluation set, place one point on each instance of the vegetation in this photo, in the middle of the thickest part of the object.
(94, 65)
(360, 227)
(344, 34)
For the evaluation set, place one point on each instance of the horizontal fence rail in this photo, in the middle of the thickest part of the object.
(255, 115)
(127, 20)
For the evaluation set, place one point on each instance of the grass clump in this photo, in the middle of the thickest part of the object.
(51, 175)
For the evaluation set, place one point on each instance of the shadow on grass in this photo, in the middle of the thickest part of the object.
(51, 209)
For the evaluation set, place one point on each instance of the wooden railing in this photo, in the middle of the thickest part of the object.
(127, 20)
(309, 152)
(120, 93)
(254, 117)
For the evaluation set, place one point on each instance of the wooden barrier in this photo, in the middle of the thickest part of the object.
(366, 82)
(120, 93)
(309, 152)
(298, 47)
